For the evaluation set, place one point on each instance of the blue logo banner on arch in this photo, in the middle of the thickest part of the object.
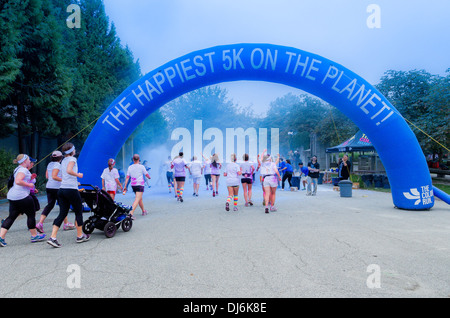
(394, 141)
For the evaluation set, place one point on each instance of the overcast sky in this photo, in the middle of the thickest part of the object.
(414, 34)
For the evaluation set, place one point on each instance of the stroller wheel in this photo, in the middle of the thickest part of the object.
(110, 229)
(127, 223)
(88, 227)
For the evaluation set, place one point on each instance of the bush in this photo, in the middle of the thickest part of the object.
(6, 168)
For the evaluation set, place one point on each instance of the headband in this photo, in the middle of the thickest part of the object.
(70, 150)
(25, 157)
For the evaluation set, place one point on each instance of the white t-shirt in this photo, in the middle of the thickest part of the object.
(69, 181)
(110, 177)
(269, 168)
(178, 166)
(233, 178)
(18, 192)
(207, 169)
(136, 172)
(196, 168)
(52, 183)
(168, 165)
(246, 169)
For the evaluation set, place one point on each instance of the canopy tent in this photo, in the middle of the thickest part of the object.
(359, 142)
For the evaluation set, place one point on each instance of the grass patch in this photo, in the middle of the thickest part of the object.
(443, 187)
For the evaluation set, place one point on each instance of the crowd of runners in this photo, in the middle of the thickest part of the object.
(63, 186)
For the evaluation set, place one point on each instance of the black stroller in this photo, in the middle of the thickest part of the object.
(108, 215)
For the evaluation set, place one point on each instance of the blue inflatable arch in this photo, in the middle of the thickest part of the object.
(394, 141)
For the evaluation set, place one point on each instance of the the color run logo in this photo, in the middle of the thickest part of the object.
(237, 140)
(424, 196)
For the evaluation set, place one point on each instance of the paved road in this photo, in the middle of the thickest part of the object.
(322, 246)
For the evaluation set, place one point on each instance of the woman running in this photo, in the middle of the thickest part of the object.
(247, 171)
(169, 174)
(20, 201)
(68, 195)
(179, 165)
(110, 179)
(233, 172)
(196, 169)
(215, 173)
(270, 178)
(207, 173)
(53, 175)
(137, 172)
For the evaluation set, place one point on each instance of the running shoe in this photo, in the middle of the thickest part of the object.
(67, 226)
(235, 208)
(53, 242)
(246, 204)
(250, 202)
(267, 210)
(83, 238)
(37, 238)
(2, 242)
(227, 206)
(133, 217)
(181, 198)
(273, 209)
(214, 194)
(40, 227)
(144, 212)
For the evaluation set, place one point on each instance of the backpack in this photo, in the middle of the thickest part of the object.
(11, 179)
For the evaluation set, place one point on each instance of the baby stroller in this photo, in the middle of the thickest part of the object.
(108, 215)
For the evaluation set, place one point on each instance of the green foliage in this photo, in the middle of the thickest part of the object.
(210, 104)
(152, 130)
(304, 115)
(424, 101)
(6, 168)
(53, 79)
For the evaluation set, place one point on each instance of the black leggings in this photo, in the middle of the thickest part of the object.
(67, 197)
(288, 176)
(52, 197)
(17, 207)
(208, 179)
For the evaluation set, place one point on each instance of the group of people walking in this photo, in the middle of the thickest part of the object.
(62, 186)
(236, 175)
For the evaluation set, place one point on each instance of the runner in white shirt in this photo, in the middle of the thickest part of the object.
(233, 173)
(136, 173)
(270, 177)
(196, 169)
(207, 172)
(169, 174)
(20, 201)
(179, 165)
(110, 179)
(68, 195)
(215, 173)
(247, 171)
(53, 175)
